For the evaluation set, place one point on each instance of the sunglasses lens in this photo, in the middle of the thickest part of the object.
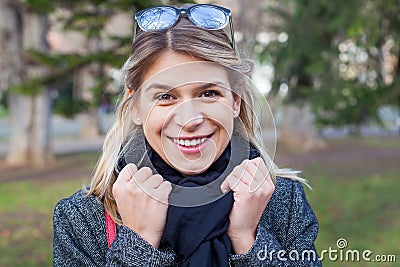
(208, 17)
(158, 18)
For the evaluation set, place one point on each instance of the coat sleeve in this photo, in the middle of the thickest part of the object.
(77, 242)
(286, 232)
(129, 249)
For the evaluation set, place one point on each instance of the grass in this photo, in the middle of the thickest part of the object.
(3, 112)
(26, 220)
(354, 197)
(365, 210)
(26, 207)
(390, 142)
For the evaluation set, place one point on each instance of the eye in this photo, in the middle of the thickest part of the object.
(164, 97)
(210, 94)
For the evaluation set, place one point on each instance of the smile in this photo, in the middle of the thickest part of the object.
(189, 142)
(191, 145)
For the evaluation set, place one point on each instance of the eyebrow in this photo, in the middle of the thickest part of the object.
(200, 87)
(158, 86)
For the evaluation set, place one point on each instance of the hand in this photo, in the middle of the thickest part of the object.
(252, 189)
(142, 201)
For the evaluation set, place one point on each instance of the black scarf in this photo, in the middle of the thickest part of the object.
(198, 214)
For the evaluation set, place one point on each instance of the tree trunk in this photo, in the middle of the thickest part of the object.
(298, 130)
(29, 115)
(10, 44)
(85, 80)
(249, 24)
(30, 130)
(19, 119)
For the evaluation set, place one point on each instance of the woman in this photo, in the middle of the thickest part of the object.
(183, 179)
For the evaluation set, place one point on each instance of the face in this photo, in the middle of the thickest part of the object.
(187, 110)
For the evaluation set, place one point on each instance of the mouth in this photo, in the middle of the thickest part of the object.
(192, 145)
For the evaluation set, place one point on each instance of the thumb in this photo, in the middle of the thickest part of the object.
(228, 184)
(225, 186)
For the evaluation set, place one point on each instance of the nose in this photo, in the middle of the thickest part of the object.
(188, 117)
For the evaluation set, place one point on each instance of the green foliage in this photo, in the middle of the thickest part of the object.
(333, 57)
(65, 104)
(30, 87)
(3, 104)
(3, 99)
(40, 6)
(88, 17)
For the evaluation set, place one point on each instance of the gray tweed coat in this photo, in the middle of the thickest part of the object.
(288, 225)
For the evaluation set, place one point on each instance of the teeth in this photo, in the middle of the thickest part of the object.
(189, 143)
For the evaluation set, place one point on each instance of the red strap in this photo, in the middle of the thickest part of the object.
(111, 229)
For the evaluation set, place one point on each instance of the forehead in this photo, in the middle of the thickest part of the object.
(175, 69)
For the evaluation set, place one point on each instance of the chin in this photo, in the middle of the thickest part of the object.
(192, 170)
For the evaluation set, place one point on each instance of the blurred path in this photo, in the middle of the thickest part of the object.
(66, 146)
(65, 134)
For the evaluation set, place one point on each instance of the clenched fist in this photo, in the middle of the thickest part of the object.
(142, 201)
(252, 189)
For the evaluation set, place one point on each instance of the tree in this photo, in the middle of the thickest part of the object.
(29, 69)
(24, 28)
(335, 57)
(103, 50)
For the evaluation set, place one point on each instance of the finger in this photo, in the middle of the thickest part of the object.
(255, 168)
(260, 165)
(154, 181)
(250, 183)
(266, 172)
(165, 187)
(262, 169)
(232, 183)
(240, 171)
(245, 171)
(127, 172)
(265, 186)
(266, 176)
(142, 174)
(163, 191)
(132, 169)
(255, 185)
(225, 184)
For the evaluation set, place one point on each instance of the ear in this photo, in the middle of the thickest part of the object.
(136, 118)
(237, 100)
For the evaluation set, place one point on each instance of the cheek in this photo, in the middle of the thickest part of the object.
(153, 123)
(221, 114)
(152, 127)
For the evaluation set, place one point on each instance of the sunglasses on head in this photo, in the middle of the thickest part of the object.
(206, 16)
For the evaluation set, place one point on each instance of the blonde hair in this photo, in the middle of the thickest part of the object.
(184, 37)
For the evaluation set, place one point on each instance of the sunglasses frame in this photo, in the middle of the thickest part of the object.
(187, 11)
